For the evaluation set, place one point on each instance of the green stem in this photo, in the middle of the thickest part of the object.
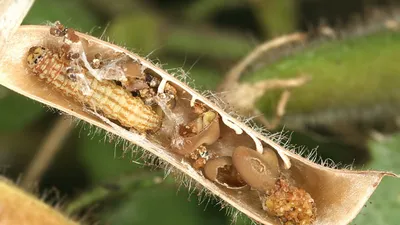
(120, 186)
(215, 44)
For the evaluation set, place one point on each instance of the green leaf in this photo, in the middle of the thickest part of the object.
(384, 206)
(198, 76)
(214, 44)
(355, 72)
(72, 13)
(162, 205)
(138, 30)
(103, 160)
(203, 10)
(114, 189)
(17, 111)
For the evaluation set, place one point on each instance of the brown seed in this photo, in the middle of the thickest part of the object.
(221, 171)
(260, 171)
(199, 107)
(208, 117)
(193, 137)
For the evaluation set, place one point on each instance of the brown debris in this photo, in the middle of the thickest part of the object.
(59, 30)
(292, 205)
(200, 157)
(204, 129)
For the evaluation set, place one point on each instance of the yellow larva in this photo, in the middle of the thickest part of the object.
(112, 100)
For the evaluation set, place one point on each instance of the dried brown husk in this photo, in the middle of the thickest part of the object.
(339, 194)
(19, 207)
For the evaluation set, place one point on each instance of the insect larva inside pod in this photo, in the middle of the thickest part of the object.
(211, 134)
(106, 97)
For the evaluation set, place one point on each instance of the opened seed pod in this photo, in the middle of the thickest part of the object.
(338, 194)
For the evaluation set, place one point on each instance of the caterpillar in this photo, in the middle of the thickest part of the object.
(112, 100)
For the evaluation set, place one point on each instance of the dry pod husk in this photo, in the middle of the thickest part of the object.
(338, 194)
(19, 207)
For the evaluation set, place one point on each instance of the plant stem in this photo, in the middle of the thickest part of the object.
(122, 185)
(49, 148)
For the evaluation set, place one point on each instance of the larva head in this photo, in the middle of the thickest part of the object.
(35, 55)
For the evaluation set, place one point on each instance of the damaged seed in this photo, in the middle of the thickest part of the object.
(203, 130)
(292, 205)
(260, 171)
(199, 107)
(221, 171)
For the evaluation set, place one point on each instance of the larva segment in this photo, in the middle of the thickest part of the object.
(105, 96)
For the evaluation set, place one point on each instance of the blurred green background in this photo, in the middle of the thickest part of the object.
(350, 109)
